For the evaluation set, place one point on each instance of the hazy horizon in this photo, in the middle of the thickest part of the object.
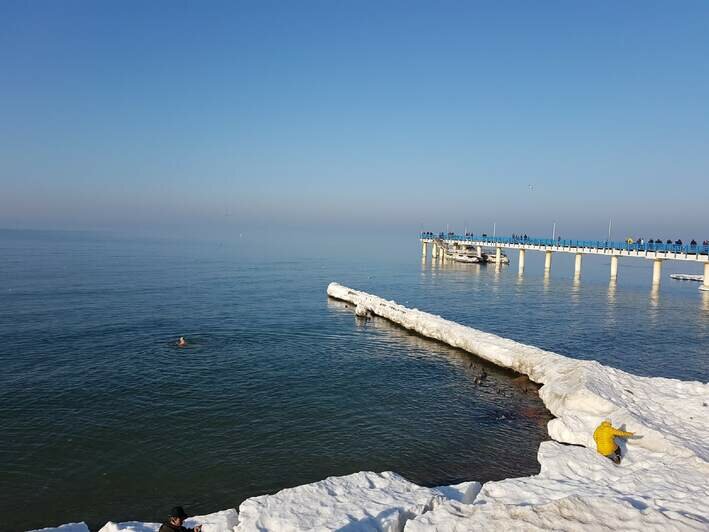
(178, 119)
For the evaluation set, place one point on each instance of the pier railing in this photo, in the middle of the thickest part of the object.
(688, 249)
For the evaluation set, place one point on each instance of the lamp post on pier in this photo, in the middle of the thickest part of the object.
(610, 223)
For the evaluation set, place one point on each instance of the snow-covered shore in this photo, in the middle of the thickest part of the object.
(663, 482)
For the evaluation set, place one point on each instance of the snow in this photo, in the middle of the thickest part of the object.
(69, 527)
(130, 526)
(222, 521)
(361, 501)
(573, 513)
(361, 311)
(464, 492)
(578, 489)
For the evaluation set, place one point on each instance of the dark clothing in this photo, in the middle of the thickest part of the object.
(615, 457)
(168, 527)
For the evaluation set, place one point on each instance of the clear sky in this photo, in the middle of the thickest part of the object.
(170, 114)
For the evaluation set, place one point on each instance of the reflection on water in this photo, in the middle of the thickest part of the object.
(611, 307)
(612, 287)
(654, 310)
(496, 275)
(576, 290)
(655, 296)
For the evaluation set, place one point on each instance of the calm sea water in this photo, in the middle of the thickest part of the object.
(104, 418)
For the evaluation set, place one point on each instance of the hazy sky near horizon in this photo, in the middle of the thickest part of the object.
(132, 115)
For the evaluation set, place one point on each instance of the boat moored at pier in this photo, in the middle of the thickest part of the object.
(442, 244)
(462, 253)
(491, 256)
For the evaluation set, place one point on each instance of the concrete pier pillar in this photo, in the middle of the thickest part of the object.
(577, 264)
(547, 260)
(424, 249)
(498, 255)
(479, 251)
(614, 266)
(521, 260)
(434, 251)
(706, 275)
(656, 272)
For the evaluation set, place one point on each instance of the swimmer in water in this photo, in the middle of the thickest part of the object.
(182, 342)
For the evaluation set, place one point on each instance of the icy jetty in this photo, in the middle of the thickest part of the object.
(663, 481)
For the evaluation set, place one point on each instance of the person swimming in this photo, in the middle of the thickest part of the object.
(182, 342)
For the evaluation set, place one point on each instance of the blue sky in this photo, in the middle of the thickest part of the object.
(223, 116)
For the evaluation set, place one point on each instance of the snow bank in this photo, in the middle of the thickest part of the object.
(664, 478)
(361, 501)
(592, 514)
(223, 521)
(464, 492)
(577, 489)
(130, 526)
(69, 527)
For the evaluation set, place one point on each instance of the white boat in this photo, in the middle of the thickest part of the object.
(687, 277)
(460, 257)
(491, 256)
(461, 253)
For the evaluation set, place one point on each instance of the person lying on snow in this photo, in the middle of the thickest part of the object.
(174, 522)
(605, 435)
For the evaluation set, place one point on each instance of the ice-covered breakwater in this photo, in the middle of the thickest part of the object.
(662, 484)
(578, 393)
(663, 481)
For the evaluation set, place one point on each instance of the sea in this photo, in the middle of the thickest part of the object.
(104, 417)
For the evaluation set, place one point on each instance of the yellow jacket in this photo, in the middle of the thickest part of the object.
(604, 435)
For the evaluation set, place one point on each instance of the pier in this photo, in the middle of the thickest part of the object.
(657, 252)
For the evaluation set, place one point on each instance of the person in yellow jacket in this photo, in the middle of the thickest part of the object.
(605, 443)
